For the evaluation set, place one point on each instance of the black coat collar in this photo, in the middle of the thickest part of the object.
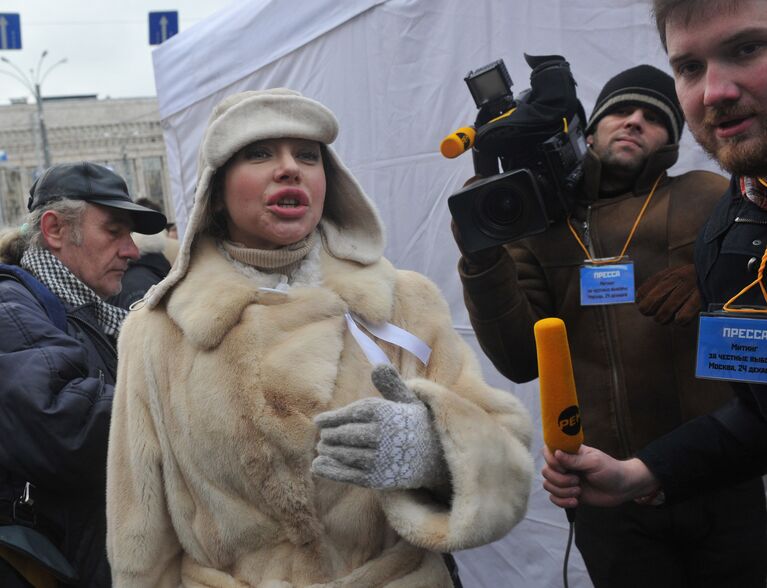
(732, 208)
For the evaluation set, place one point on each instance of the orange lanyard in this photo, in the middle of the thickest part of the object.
(631, 234)
(758, 280)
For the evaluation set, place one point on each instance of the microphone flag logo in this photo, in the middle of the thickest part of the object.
(569, 421)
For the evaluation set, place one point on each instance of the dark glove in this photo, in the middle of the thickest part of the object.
(479, 261)
(671, 295)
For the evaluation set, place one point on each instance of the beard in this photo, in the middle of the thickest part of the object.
(620, 170)
(743, 155)
(622, 165)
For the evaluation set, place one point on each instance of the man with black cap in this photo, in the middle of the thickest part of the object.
(633, 356)
(58, 364)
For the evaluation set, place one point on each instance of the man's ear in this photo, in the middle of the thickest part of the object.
(590, 139)
(54, 231)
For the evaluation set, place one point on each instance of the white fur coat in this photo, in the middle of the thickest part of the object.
(212, 437)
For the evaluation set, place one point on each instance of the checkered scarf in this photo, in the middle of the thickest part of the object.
(753, 190)
(46, 267)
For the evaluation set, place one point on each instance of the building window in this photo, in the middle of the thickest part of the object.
(154, 180)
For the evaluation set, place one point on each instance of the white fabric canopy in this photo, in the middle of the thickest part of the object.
(392, 71)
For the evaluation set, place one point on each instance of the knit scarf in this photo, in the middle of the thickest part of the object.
(282, 260)
(47, 268)
(752, 189)
(293, 265)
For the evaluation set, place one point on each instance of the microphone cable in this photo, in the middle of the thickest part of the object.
(567, 552)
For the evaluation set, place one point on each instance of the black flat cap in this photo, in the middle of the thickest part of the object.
(94, 184)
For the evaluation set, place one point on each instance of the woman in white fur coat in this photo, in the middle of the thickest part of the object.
(249, 445)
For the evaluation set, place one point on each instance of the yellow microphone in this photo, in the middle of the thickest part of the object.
(458, 142)
(560, 415)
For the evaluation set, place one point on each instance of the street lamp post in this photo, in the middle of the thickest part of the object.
(43, 129)
(33, 83)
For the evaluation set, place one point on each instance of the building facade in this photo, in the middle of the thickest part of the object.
(124, 134)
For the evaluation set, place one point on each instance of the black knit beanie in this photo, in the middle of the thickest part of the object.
(643, 85)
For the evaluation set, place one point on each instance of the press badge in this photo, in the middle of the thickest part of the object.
(732, 348)
(607, 284)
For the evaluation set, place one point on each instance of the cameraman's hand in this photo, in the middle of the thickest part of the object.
(479, 261)
(671, 295)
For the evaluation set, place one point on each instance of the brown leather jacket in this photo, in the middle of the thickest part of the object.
(635, 377)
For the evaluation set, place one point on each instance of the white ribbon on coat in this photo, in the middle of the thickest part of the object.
(386, 332)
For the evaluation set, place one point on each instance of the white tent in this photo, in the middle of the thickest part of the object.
(392, 71)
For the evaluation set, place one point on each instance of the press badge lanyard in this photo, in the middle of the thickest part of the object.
(731, 347)
(603, 281)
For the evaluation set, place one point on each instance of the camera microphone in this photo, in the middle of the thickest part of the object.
(560, 415)
(458, 142)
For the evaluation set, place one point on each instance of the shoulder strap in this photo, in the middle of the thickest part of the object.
(52, 305)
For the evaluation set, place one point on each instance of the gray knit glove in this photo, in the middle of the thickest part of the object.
(381, 444)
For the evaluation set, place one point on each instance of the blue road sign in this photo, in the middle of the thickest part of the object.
(162, 26)
(10, 31)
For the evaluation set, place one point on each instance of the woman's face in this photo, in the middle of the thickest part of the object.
(274, 191)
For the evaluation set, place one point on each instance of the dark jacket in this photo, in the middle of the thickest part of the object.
(157, 253)
(635, 377)
(729, 445)
(141, 275)
(56, 395)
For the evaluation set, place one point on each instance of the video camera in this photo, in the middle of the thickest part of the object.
(538, 139)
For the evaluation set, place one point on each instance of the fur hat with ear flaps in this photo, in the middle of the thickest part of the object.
(350, 226)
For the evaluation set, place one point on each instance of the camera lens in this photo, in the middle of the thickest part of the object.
(501, 208)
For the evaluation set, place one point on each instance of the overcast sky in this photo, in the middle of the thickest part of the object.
(105, 43)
